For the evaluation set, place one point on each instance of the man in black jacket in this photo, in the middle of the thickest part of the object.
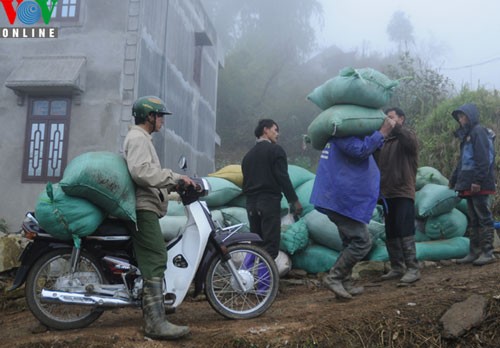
(265, 176)
(474, 179)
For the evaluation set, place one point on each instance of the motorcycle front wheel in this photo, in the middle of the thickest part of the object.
(248, 294)
(50, 272)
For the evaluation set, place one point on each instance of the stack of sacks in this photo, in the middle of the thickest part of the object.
(439, 214)
(351, 105)
(313, 242)
(229, 181)
(94, 185)
(324, 244)
(440, 223)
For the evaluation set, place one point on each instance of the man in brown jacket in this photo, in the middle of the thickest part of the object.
(398, 163)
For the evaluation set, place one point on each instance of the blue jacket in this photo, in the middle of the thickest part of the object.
(348, 179)
(477, 153)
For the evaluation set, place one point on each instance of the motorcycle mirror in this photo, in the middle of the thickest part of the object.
(182, 162)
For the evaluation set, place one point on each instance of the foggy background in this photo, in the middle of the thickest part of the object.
(443, 53)
(460, 37)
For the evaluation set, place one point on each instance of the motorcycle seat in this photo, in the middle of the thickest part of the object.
(114, 227)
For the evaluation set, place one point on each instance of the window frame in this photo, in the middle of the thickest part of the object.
(48, 121)
(57, 14)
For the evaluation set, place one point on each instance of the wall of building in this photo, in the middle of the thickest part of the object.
(129, 52)
(168, 48)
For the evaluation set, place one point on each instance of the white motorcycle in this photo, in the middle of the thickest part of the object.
(69, 287)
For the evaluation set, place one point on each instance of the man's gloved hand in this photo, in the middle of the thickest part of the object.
(475, 188)
(296, 208)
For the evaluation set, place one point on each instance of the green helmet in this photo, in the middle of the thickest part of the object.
(143, 106)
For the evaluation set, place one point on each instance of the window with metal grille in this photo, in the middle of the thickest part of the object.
(66, 10)
(46, 143)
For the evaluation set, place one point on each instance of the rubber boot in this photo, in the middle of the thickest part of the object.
(351, 288)
(334, 279)
(412, 273)
(474, 248)
(156, 325)
(396, 258)
(486, 256)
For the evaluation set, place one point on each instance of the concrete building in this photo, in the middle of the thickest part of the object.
(63, 96)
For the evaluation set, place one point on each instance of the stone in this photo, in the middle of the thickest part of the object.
(463, 316)
(376, 267)
(10, 249)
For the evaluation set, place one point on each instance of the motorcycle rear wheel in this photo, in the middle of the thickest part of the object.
(260, 275)
(44, 275)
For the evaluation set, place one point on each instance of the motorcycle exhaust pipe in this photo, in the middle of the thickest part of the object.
(63, 297)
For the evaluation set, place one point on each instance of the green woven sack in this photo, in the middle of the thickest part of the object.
(323, 231)
(315, 259)
(299, 175)
(378, 252)
(462, 206)
(235, 215)
(434, 200)
(103, 179)
(364, 87)
(221, 192)
(294, 238)
(453, 248)
(429, 175)
(172, 225)
(304, 195)
(66, 217)
(342, 121)
(303, 192)
(446, 226)
(376, 229)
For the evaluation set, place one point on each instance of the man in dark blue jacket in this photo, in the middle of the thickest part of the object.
(474, 179)
(346, 189)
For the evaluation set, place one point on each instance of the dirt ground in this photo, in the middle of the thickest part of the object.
(305, 314)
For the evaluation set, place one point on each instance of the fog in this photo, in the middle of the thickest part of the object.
(459, 37)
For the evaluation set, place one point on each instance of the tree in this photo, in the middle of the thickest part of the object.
(400, 30)
(272, 21)
(421, 87)
(266, 40)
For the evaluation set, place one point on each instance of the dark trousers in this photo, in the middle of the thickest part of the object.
(265, 220)
(478, 208)
(356, 241)
(399, 218)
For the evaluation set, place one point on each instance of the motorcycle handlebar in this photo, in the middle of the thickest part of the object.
(182, 186)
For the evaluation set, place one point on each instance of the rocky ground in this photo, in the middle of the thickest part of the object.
(305, 314)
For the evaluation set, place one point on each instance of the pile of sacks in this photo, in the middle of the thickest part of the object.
(313, 242)
(95, 185)
(351, 105)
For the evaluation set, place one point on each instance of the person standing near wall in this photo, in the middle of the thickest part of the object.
(398, 163)
(265, 177)
(474, 179)
(152, 186)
